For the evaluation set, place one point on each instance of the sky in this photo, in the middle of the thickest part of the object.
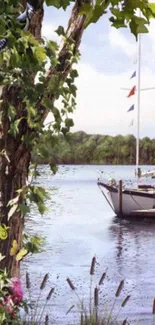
(108, 59)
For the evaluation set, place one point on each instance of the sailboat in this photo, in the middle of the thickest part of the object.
(134, 199)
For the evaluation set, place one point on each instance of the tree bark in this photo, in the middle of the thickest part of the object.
(14, 166)
(15, 156)
(12, 178)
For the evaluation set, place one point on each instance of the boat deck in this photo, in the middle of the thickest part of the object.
(143, 213)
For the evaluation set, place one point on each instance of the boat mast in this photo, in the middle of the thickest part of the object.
(138, 99)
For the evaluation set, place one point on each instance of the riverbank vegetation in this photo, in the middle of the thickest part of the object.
(93, 308)
(83, 148)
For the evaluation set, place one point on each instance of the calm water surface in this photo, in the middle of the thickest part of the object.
(78, 225)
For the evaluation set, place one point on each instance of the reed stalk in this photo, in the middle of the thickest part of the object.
(45, 305)
(92, 271)
(102, 278)
(73, 288)
(68, 311)
(46, 320)
(125, 322)
(117, 294)
(42, 286)
(96, 303)
(123, 304)
(153, 311)
(28, 287)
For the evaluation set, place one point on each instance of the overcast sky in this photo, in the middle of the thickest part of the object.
(107, 62)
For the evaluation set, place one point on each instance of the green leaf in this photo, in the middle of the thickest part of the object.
(12, 210)
(116, 12)
(14, 129)
(53, 168)
(133, 27)
(115, 2)
(73, 90)
(2, 28)
(86, 9)
(55, 3)
(74, 73)
(24, 208)
(142, 29)
(152, 10)
(60, 31)
(40, 53)
(69, 122)
(117, 22)
(34, 243)
(2, 316)
(3, 232)
(2, 257)
(41, 208)
(13, 201)
(94, 14)
(11, 112)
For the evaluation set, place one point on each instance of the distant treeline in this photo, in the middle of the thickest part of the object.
(82, 148)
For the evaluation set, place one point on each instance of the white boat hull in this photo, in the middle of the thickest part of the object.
(132, 200)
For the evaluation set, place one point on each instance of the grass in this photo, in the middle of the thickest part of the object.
(34, 313)
(95, 313)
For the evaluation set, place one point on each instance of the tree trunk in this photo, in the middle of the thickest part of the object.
(14, 167)
(12, 178)
(15, 156)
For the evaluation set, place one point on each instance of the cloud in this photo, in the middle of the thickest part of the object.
(102, 105)
(117, 39)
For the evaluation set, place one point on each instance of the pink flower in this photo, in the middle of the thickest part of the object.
(16, 290)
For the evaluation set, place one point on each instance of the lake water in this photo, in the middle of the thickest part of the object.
(80, 224)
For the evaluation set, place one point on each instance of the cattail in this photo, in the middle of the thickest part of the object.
(125, 301)
(50, 294)
(68, 311)
(119, 289)
(153, 309)
(82, 319)
(44, 281)
(92, 268)
(124, 322)
(96, 290)
(28, 283)
(70, 284)
(102, 278)
(46, 320)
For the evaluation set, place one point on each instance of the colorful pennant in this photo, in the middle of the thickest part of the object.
(132, 91)
(133, 75)
(131, 108)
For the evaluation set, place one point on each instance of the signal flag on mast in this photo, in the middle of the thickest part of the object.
(133, 75)
(131, 108)
(132, 92)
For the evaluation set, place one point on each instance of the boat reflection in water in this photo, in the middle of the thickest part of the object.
(134, 261)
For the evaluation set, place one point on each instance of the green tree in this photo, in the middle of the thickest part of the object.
(145, 151)
(29, 94)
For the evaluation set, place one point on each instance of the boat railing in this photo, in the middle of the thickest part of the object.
(111, 180)
(144, 183)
